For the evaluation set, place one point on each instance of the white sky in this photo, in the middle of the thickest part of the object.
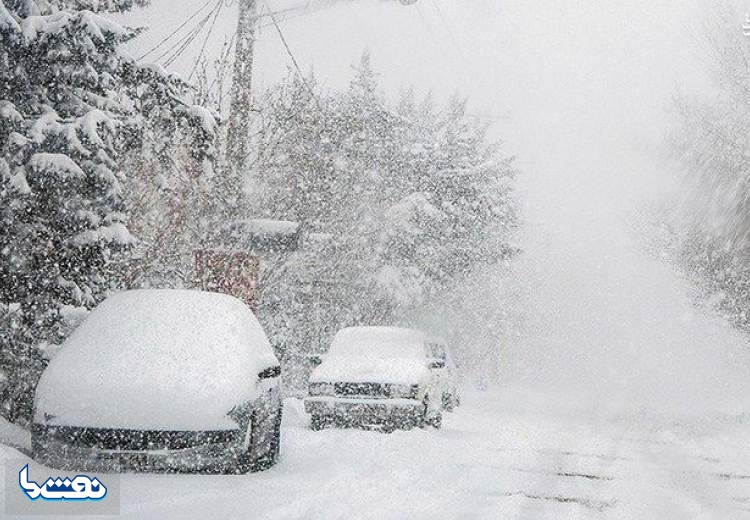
(530, 59)
(586, 85)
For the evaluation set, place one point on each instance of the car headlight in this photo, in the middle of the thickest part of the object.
(404, 391)
(321, 389)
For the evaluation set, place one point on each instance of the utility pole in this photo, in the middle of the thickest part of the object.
(238, 125)
(240, 107)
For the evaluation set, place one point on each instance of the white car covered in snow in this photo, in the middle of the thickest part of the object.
(384, 376)
(164, 380)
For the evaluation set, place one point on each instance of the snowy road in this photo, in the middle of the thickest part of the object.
(504, 454)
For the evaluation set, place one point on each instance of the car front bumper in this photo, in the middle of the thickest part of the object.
(115, 451)
(364, 411)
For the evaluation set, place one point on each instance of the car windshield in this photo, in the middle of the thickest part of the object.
(378, 342)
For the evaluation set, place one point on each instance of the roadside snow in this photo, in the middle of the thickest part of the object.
(13, 436)
(507, 453)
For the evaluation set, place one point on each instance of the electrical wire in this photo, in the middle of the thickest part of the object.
(448, 29)
(190, 34)
(205, 41)
(289, 51)
(193, 35)
(175, 31)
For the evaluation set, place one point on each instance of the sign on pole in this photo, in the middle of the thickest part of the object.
(229, 272)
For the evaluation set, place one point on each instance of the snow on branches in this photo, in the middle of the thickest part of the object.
(72, 106)
(399, 203)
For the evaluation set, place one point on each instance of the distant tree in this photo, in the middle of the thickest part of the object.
(73, 105)
(711, 142)
(401, 202)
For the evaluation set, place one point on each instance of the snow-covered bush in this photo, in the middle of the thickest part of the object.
(711, 140)
(72, 107)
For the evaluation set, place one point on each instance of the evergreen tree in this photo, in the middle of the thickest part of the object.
(400, 204)
(72, 106)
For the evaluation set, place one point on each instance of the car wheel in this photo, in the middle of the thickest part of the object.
(430, 418)
(436, 421)
(250, 461)
(448, 402)
(388, 427)
(277, 438)
(317, 422)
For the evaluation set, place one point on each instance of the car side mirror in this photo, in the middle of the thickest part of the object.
(269, 373)
(436, 363)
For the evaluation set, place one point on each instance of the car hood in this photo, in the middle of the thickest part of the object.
(119, 402)
(370, 370)
(156, 360)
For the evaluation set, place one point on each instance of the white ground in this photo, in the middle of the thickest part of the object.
(504, 454)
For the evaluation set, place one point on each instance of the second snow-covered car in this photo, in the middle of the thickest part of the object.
(383, 376)
(164, 380)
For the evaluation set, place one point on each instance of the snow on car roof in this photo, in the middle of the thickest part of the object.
(173, 359)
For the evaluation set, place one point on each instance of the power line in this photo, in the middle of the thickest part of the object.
(182, 44)
(181, 41)
(205, 41)
(170, 35)
(449, 30)
(289, 51)
(191, 36)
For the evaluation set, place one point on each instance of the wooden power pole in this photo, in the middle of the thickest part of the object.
(238, 124)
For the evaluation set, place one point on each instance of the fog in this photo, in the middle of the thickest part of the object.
(579, 91)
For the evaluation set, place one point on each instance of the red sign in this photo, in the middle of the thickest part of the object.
(234, 273)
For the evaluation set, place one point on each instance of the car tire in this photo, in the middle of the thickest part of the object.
(448, 402)
(277, 436)
(435, 420)
(251, 462)
(317, 422)
(388, 427)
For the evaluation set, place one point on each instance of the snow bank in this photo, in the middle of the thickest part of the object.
(157, 359)
(14, 436)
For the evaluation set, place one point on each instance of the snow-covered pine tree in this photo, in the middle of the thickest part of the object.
(710, 222)
(72, 104)
(400, 204)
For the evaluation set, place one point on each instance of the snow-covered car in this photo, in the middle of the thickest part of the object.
(161, 380)
(383, 376)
